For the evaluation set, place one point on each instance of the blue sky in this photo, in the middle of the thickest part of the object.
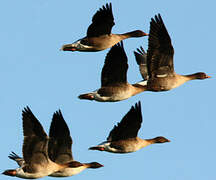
(34, 72)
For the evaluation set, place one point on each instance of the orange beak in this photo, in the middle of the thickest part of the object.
(10, 172)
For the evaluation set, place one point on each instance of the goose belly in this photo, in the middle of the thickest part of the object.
(161, 84)
(68, 172)
(118, 96)
(112, 94)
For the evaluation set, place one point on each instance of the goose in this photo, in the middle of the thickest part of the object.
(60, 149)
(99, 36)
(123, 137)
(36, 162)
(114, 85)
(159, 60)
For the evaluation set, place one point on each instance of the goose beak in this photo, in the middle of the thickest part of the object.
(10, 172)
(97, 148)
(68, 47)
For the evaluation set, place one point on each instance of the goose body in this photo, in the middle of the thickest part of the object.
(123, 146)
(156, 66)
(123, 137)
(59, 151)
(99, 36)
(112, 93)
(114, 85)
(36, 162)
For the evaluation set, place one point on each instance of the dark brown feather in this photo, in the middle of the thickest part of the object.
(60, 143)
(141, 59)
(160, 50)
(115, 67)
(129, 125)
(35, 141)
(102, 22)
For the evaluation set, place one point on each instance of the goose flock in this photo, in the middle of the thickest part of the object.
(51, 155)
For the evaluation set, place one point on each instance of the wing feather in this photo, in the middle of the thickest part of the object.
(115, 68)
(160, 50)
(60, 143)
(129, 125)
(35, 141)
(102, 22)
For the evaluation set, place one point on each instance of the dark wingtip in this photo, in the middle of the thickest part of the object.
(141, 50)
(109, 6)
(116, 54)
(136, 54)
(13, 155)
(138, 105)
(157, 18)
(58, 113)
(26, 110)
(138, 109)
(140, 56)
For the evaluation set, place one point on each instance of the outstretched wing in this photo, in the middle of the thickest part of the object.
(129, 125)
(115, 68)
(35, 141)
(141, 59)
(102, 22)
(160, 50)
(60, 143)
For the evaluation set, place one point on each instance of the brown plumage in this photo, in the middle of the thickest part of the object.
(114, 85)
(141, 59)
(35, 142)
(59, 148)
(129, 125)
(99, 36)
(60, 142)
(160, 68)
(123, 137)
(36, 163)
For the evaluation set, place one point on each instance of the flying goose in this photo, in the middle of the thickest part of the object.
(159, 59)
(123, 137)
(59, 149)
(99, 36)
(114, 85)
(36, 163)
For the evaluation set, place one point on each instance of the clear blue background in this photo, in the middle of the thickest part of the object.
(34, 72)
